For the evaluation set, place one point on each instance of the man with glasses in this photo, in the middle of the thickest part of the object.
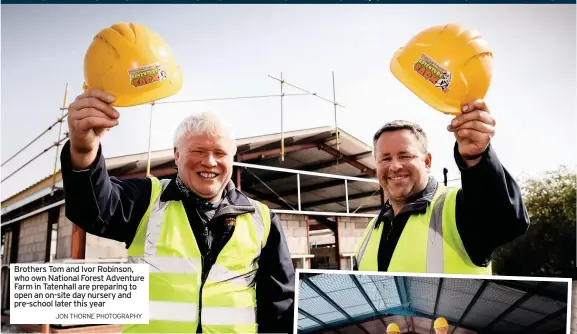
(426, 227)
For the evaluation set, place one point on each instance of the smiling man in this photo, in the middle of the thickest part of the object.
(219, 261)
(426, 227)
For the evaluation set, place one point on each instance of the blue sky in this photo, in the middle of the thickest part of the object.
(228, 51)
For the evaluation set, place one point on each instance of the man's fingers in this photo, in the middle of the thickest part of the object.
(474, 125)
(93, 122)
(99, 94)
(477, 115)
(90, 112)
(472, 135)
(474, 105)
(95, 104)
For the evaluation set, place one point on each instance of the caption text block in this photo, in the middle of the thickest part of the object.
(79, 294)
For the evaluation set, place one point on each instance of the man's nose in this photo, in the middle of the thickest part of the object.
(209, 160)
(395, 165)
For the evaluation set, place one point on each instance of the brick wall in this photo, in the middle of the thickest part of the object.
(33, 238)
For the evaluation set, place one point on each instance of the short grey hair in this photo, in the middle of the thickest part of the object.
(397, 125)
(204, 122)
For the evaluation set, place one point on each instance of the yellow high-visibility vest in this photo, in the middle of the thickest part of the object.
(226, 302)
(429, 243)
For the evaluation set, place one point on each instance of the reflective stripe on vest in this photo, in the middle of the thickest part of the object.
(429, 242)
(228, 295)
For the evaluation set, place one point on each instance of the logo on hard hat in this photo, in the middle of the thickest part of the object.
(147, 75)
(433, 72)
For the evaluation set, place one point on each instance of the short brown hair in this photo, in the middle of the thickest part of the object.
(398, 125)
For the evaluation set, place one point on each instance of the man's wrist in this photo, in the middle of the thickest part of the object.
(466, 162)
(472, 157)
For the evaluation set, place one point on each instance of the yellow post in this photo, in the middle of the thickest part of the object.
(149, 140)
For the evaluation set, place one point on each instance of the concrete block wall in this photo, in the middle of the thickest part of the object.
(296, 232)
(7, 248)
(32, 239)
(97, 247)
(64, 244)
(327, 237)
(350, 232)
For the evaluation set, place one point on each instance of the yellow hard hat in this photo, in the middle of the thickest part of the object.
(441, 323)
(393, 328)
(133, 64)
(446, 66)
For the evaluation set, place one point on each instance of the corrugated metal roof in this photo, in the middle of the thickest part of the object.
(471, 305)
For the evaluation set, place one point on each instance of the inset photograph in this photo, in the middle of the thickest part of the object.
(354, 302)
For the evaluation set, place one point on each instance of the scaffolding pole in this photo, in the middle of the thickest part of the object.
(335, 111)
(36, 157)
(57, 143)
(333, 102)
(64, 113)
(35, 139)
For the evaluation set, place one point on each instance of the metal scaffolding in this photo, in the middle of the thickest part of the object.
(64, 114)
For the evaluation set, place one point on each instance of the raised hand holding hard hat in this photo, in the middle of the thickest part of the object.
(89, 116)
(133, 64)
(446, 66)
(393, 328)
(125, 65)
(473, 131)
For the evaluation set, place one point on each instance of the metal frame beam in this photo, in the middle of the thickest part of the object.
(316, 186)
(529, 293)
(312, 168)
(471, 304)
(364, 293)
(369, 208)
(439, 288)
(266, 197)
(538, 290)
(536, 324)
(333, 304)
(362, 167)
(315, 319)
(331, 200)
(402, 290)
(273, 153)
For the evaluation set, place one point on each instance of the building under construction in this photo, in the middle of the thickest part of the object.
(324, 197)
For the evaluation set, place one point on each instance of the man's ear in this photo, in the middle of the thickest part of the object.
(428, 161)
(176, 155)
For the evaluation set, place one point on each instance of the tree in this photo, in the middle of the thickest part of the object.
(548, 247)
